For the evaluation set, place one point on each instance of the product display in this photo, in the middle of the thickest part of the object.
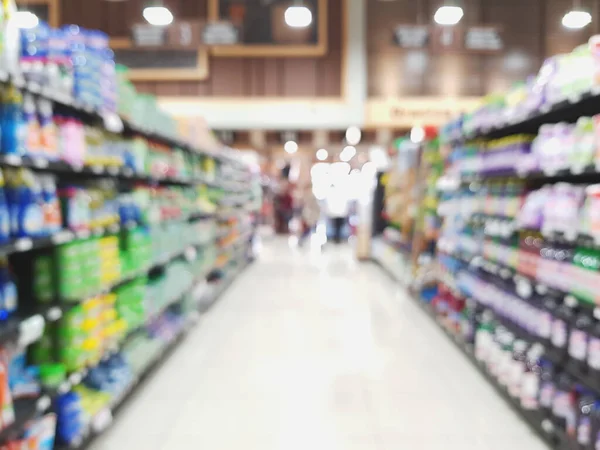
(518, 262)
(109, 234)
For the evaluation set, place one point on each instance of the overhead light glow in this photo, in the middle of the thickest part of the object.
(290, 147)
(576, 19)
(353, 135)
(417, 134)
(298, 16)
(26, 20)
(158, 16)
(322, 154)
(448, 15)
(348, 153)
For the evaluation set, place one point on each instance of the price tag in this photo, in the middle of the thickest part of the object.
(570, 301)
(75, 378)
(23, 244)
(97, 169)
(190, 254)
(13, 160)
(54, 314)
(541, 289)
(64, 387)
(34, 87)
(43, 403)
(102, 420)
(62, 237)
(112, 122)
(577, 169)
(524, 289)
(40, 163)
(547, 426)
(31, 329)
(83, 234)
(113, 170)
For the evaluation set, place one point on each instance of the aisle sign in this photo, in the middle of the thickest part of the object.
(411, 36)
(146, 35)
(220, 33)
(476, 39)
(483, 39)
(182, 35)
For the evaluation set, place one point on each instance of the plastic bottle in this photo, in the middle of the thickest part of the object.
(8, 288)
(4, 214)
(51, 206)
(579, 338)
(547, 386)
(12, 122)
(563, 404)
(585, 413)
(560, 328)
(530, 381)
(517, 368)
(29, 208)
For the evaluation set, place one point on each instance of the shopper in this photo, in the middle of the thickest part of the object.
(311, 213)
(337, 209)
(284, 204)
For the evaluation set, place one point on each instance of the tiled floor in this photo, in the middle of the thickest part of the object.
(316, 352)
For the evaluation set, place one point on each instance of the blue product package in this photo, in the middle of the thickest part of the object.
(70, 418)
(43, 431)
(4, 214)
(30, 213)
(8, 289)
(12, 122)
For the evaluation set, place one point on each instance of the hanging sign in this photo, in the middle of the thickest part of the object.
(220, 33)
(411, 36)
(146, 35)
(476, 39)
(485, 39)
(182, 35)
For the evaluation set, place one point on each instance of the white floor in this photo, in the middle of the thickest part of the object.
(316, 352)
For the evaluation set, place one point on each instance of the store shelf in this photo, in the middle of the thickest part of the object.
(568, 110)
(538, 423)
(25, 411)
(104, 418)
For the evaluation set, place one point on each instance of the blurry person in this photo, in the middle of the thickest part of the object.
(284, 208)
(337, 210)
(311, 213)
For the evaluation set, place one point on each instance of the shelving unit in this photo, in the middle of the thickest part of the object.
(229, 184)
(518, 257)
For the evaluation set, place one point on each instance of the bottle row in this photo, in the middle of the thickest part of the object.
(565, 77)
(534, 378)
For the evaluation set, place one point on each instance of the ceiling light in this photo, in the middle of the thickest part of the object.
(290, 147)
(576, 19)
(158, 16)
(298, 16)
(26, 20)
(417, 134)
(322, 154)
(448, 15)
(348, 153)
(353, 135)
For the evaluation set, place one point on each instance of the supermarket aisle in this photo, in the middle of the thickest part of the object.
(308, 351)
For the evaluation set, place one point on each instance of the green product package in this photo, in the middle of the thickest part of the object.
(43, 279)
(52, 375)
